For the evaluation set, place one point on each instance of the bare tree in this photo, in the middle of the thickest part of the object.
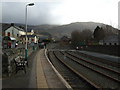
(109, 30)
(82, 36)
(75, 35)
(86, 34)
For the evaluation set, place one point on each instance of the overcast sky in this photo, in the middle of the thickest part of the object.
(61, 11)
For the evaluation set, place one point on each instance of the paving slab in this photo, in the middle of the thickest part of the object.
(46, 77)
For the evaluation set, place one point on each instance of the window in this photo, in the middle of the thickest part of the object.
(32, 40)
(115, 43)
(17, 35)
(104, 43)
(8, 34)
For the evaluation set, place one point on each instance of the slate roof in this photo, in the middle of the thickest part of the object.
(6, 26)
(8, 38)
(28, 35)
(20, 29)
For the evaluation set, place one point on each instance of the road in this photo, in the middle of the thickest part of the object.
(22, 80)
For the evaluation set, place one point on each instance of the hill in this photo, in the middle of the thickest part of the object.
(67, 29)
(61, 30)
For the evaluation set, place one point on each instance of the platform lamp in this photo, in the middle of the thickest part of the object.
(26, 46)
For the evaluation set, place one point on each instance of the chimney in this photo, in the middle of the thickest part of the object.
(12, 24)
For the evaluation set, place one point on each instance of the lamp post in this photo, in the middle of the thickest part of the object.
(26, 46)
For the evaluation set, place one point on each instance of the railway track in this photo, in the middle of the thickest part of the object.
(111, 73)
(108, 62)
(97, 75)
(106, 73)
(74, 80)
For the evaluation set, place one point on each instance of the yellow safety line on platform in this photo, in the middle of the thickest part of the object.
(41, 80)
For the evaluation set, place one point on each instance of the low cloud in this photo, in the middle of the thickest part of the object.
(40, 13)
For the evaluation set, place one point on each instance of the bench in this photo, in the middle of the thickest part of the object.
(20, 64)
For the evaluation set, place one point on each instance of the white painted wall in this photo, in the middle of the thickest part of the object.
(14, 32)
(21, 33)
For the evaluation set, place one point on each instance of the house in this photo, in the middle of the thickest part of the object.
(110, 40)
(8, 40)
(30, 39)
(66, 39)
(18, 33)
(14, 31)
(4, 27)
(30, 32)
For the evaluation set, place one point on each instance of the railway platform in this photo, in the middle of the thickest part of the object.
(46, 77)
(39, 74)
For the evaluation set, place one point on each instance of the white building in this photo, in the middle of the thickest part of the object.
(14, 31)
(30, 39)
(30, 32)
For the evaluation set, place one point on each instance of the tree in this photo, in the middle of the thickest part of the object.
(99, 33)
(109, 30)
(75, 36)
(86, 34)
(83, 36)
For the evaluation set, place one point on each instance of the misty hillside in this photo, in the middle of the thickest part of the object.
(44, 27)
(60, 30)
(64, 29)
(67, 29)
(39, 28)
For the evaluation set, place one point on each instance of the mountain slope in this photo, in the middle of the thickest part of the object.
(60, 30)
(67, 29)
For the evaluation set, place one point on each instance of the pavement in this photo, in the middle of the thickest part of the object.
(39, 74)
(46, 76)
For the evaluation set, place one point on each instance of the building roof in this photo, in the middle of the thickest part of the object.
(9, 38)
(12, 38)
(29, 29)
(20, 29)
(6, 26)
(28, 35)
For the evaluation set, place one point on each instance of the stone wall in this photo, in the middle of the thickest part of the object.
(8, 65)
